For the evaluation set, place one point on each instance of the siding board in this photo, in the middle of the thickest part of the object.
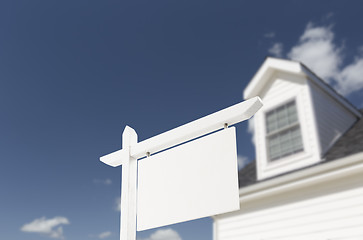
(331, 117)
(328, 211)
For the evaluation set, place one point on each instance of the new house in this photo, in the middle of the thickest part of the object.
(307, 180)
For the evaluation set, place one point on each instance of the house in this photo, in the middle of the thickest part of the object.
(307, 179)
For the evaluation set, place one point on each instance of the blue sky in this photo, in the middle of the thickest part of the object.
(74, 73)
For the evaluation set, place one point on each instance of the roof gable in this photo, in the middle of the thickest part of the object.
(264, 73)
(272, 65)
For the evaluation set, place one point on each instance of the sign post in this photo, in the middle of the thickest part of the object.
(210, 161)
(128, 187)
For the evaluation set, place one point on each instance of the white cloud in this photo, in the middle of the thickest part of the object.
(269, 35)
(351, 77)
(317, 50)
(118, 204)
(328, 16)
(251, 129)
(164, 234)
(276, 49)
(46, 227)
(242, 161)
(106, 181)
(104, 235)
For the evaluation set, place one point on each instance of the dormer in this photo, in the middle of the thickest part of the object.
(301, 119)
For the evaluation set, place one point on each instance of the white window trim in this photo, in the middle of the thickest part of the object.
(267, 168)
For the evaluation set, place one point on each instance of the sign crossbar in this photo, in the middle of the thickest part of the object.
(210, 123)
(133, 150)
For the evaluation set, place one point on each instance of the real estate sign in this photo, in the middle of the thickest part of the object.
(194, 180)
(182, 179)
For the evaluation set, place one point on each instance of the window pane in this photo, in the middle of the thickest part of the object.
(271, 122)
(274, 147)
(291, 112)
(285, 143)
(285, 138)
(281, 117)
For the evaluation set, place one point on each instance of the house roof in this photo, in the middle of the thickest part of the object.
(349, 143)
(272, 65)
(247, 175)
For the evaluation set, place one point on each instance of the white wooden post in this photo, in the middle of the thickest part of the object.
(128, 188)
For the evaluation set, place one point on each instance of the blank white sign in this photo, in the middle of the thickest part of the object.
(194, 180)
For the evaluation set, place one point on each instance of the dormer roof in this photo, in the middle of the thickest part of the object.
(272, 65)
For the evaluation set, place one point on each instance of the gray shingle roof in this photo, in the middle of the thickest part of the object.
(247, 175)
(349, 143)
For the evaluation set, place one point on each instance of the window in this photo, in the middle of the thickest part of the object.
(283, 132)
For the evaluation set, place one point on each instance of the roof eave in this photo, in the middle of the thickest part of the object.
(327, 88)
(346, 166)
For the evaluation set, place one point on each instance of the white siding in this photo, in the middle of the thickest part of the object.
(332, 119)
(328, 211)
(282, 84)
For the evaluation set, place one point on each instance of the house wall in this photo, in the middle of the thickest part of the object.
(282, 88)
(332, 118)
(331, 210)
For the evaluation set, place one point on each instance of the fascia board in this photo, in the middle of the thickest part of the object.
(269, 67)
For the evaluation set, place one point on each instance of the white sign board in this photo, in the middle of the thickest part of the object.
(193, 180)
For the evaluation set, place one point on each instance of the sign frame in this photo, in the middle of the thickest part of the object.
(132, 150)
